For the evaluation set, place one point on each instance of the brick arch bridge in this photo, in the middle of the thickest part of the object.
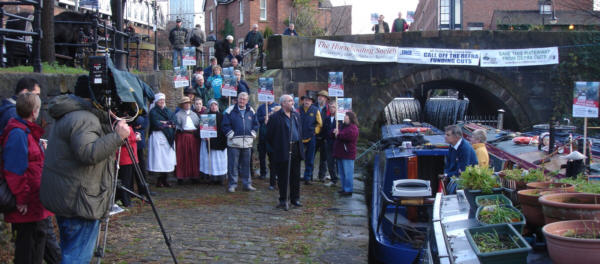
(524, 92)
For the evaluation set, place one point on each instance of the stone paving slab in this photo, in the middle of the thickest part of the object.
(208, 225)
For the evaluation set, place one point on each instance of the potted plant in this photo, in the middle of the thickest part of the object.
(582, 184)
(499, 214)
(574, 241)
(498, 244)
(517, 179)
(570, 206)
(549, 185)
(531, 207)
(477, 181)
(492, 199)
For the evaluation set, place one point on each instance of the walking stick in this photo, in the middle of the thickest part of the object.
(289, 168)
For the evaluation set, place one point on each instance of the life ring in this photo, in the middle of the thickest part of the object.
(525, 140)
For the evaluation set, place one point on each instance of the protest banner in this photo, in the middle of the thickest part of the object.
(344, 105)
(519, 57)
(374, 18)
(335, 86)
(189, 56)
(438, 56)
(180, 77)
(585, 99)
(265, 90)
(229, 87)
(354, 52)
(208, 126)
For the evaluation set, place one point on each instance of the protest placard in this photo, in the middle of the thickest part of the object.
(180, 77)
(265, 90)
(410, 16)
(229, 87)
(344, 105)
(335, 86)
(189, 56)
(374, 18)
(208, 126)
(585, 99)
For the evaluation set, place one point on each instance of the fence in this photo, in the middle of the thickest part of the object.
(21, 36)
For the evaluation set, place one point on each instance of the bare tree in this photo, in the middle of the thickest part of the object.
(338, 21)
(584, 6)
(48, 32)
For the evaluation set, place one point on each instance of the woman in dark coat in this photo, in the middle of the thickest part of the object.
(214, 162)
(161, 143)
(344, 150)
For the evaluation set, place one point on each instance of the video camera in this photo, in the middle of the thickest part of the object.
(119, 91)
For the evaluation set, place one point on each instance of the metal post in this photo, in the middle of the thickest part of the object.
(2, 42)
(500, 123)
(37, 27)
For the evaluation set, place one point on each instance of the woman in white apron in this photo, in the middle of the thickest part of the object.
(214, 164)
(161, 143)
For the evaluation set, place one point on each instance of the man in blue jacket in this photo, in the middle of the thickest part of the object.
(240, 126)
(263, 119)
(8, 108)
(460, 155)
(310, 117)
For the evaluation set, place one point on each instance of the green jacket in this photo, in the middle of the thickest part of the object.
(79, 169)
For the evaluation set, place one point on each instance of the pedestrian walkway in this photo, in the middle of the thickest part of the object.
(208, 225)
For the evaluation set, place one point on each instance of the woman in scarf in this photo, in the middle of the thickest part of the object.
(161, 143)
(215, 164)
(344, 150)
(187, 143)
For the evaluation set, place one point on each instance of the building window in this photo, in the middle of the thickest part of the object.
(241, 11)
(444, 14)
(263, 9)
(211, 21)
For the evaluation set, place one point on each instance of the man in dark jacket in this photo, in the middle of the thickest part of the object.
(460, 155)
(240, 126)
(284, 131)
(321, 146)
(8, 108)
(263, 119)
(178, 37)
(290, 31)
(381, 27)
(254, 42)
(208, 70)
(329, 125)
(223, 49)
(311, 125)
(400, 24)
(197, 39)
(77, 179)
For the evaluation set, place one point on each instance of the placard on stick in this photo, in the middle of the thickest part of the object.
(344, 106)
(208, 126)
(585, 99)
(265, 90)
(189, 56)
(335, 86)
(229, 87)
(180, 77)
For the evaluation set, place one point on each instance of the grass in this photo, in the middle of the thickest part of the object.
(46, 68)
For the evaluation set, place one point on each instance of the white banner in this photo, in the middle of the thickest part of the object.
(519, 57)
(354, 52)
(438, 56)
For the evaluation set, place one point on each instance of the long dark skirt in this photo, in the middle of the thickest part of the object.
(188, 154)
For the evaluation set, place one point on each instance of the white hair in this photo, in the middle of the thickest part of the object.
(237, 71)
(282, 98)
(229, 37)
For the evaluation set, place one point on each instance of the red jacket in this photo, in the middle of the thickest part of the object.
(344, 146)
(23, 160)
(125, 159)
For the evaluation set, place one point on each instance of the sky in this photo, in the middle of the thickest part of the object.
(362, 9)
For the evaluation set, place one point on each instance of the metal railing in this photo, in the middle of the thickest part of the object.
(35, 34)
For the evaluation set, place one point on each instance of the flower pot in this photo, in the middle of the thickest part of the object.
(516, 255)
(499, 197)
(570, 206)
(551, 186)
(532, 209)
(563, 249)
(518, 224)
(470, 195)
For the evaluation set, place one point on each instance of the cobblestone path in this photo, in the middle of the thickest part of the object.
(208, 225)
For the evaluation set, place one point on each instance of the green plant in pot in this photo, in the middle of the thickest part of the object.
(499, 214)
(498, 244)
(476, 181)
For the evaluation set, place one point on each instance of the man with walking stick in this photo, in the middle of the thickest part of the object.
(283, 138)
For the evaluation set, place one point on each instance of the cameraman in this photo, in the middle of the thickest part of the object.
(77, 180)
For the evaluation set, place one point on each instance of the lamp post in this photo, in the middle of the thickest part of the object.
(547, 8)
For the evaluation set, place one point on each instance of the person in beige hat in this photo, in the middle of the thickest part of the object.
(323, 105)
(187, 145)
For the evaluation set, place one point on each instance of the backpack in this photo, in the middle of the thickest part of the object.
(7, 198)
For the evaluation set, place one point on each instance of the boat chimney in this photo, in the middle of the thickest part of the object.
(500, 119)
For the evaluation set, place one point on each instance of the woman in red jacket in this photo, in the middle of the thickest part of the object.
(344, 150)
(126, 169)
(23, 160)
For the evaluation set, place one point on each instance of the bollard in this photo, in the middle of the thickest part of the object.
(500, 123)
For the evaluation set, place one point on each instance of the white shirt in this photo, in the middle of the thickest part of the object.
(457, 144)
(189, 124)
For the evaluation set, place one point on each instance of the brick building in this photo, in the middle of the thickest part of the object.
(272, 14)
(479, 14)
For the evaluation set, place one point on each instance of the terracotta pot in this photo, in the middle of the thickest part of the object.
(570, 206)
(572, 250)
(532, 209)
(551, 186)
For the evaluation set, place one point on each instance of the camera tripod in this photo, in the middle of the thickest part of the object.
(99, 254)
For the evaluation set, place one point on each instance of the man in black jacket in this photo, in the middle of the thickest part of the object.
(284, 131)
(223, 49)
(381, 27)
(178, 37)
(254, 42)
